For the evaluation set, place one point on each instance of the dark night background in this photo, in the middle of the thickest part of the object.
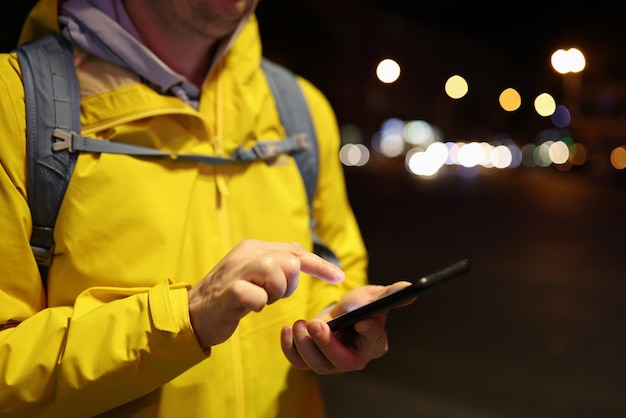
(537, 328)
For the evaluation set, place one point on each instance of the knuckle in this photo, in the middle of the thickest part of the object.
(296, 249)
(268, 264)
(246, 243)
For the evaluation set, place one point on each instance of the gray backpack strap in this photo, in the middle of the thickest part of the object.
(52, 102)
(296, 119)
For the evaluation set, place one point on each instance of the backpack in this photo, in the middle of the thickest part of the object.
(51, 95)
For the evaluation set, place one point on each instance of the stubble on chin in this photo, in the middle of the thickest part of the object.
(215, 18)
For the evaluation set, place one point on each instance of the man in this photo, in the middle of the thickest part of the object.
(129, 322)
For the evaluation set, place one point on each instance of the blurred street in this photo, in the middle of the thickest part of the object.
(536, 329)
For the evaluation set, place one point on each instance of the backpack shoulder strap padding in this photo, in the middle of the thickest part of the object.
(296, 119)
(52, 101)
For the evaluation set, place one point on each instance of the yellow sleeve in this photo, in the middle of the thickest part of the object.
(62, 359)
(335, 220)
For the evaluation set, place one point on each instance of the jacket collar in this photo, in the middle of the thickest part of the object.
(122, 48)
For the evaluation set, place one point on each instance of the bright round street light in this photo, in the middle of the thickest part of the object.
(568, 61)
(570, 64)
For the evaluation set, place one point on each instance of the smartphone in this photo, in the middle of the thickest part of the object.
(400, 296)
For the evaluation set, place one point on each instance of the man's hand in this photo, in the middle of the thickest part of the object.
(254, 274)
(312, 345)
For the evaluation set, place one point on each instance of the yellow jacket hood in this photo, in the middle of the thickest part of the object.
(42, 20)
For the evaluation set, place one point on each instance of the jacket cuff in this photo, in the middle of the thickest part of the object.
(169, 310)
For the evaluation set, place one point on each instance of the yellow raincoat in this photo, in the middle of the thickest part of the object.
(111, 335)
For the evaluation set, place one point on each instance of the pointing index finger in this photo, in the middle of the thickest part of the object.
(315, 265)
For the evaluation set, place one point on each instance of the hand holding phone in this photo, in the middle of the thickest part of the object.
(401, 296)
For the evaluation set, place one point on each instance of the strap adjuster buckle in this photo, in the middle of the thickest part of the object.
(65, 140)
(267, 150)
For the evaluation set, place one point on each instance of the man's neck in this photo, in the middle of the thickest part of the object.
(186, 54)
(187, 57)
